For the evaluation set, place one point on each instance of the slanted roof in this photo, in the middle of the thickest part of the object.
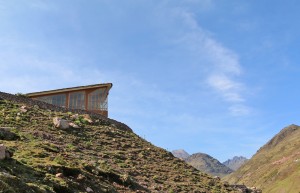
(78, 88)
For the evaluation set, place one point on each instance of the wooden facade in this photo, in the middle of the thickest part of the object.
(92, 98)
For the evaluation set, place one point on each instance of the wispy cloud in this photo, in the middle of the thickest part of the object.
(228, 88)
(223, 68)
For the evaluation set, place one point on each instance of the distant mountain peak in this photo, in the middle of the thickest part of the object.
(208, 164)
(235, 162)
(180, 153)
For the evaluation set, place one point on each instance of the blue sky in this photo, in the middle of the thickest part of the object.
(213, 76)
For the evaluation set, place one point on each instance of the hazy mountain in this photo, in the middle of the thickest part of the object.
(235, 163)
(276, 166)
(180, 153)
(208, 164)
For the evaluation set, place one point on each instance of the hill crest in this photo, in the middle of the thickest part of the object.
(275, 167)
(282, 135)
(100, 156)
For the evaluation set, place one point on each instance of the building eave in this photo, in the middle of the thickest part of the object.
(72, 89)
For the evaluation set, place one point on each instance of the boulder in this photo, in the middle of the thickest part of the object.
(6, 134)
(2, 152)
(59, 175)
(88, 189)
(60, 123)
(74, 125)
(8, 154)
(74, 117)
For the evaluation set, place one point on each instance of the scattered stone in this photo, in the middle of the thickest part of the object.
(88, 189)
(8, 154)
(217, 178)
(2, 152)
(60, 123)
(23, 109)
(36, 106)
(87, 118)
(80, 177)
(5, 153)
(74, 125)
(43, 135)
(75, 116)
(226, 184)
(6, 134)
(59, 175)
(43, 105)
(245, 189)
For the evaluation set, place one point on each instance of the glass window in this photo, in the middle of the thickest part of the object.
(77, 100)
(97, 100)
(58, 100)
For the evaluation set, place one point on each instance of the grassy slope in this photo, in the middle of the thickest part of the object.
(100, 155)
(276, 166)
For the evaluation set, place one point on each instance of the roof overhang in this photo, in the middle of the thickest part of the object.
(73, 89)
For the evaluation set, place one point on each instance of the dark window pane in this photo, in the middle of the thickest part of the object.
(58, 100)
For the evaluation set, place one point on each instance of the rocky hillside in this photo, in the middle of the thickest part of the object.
(47, 149)
(208, 164)
(276, 166)
(236, 162)
(180, 153)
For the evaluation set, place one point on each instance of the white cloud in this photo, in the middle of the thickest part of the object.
(222, 67)
(229, 89)
(225, 60)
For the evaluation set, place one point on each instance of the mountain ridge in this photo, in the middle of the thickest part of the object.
(208, 164)
(203, 162)
(276, 165)
(235, 163)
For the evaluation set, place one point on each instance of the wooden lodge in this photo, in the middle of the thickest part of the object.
(92, 98)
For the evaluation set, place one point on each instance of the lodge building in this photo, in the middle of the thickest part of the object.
(92, 98)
